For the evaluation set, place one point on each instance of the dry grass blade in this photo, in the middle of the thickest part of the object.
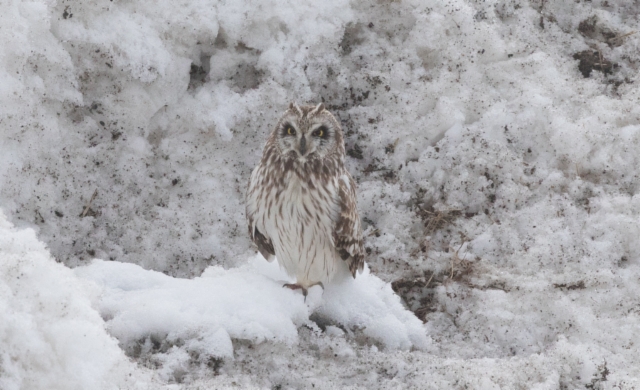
(437, 219)
(430, 279)
(456, 259)
(602, 64)
(620, 37)
(88, 206)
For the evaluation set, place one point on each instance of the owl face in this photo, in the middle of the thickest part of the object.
(308, 132)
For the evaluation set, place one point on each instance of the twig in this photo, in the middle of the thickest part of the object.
(456, 257)
(429, 281)
(601, 61)
(621, 36)
(437, 217)
(374, 231)
(86, 209)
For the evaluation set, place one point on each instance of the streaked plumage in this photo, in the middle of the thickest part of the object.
(301, 201)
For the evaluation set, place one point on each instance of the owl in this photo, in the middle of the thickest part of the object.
(301, 200)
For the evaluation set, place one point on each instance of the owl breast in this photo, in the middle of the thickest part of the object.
(299, 217)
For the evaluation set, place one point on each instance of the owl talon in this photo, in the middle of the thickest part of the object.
(296, 286)
(305, 291)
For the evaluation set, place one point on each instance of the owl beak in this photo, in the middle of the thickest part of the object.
(303, 146)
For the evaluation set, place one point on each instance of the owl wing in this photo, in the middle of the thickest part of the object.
(264, 244)
(347, 234)
(262, 241)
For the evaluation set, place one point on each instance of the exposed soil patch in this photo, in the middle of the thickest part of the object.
(355, 152)
(594, 60)
(593, 28)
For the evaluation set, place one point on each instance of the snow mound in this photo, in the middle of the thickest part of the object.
(50, 337)
(208, 311)
(203, 315)
(370, 304)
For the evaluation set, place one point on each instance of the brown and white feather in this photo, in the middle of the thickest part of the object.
(302, 207)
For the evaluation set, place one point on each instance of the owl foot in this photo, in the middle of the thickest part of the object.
(296, 286)
(317, 284)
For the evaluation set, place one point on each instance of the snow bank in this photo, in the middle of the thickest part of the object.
(173, 100)
(150, 312)
(50, 336)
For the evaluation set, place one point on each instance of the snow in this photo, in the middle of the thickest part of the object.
(498, 187)
(51, 337)
(203, 315)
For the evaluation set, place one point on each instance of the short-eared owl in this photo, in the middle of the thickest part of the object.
(301, 201)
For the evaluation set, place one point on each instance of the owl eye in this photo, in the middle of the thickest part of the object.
(290, 130)
(320, 132)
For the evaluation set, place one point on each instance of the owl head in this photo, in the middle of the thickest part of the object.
(309, 132)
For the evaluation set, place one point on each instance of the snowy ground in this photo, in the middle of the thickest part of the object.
(495, 146)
